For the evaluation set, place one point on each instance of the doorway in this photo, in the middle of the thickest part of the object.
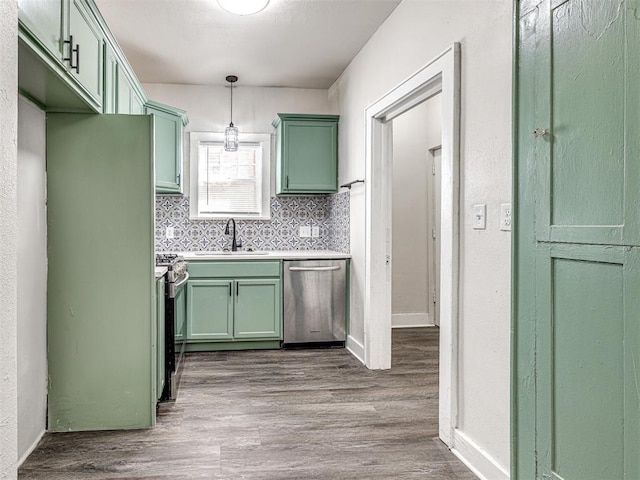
(417, 139)
(440, 76)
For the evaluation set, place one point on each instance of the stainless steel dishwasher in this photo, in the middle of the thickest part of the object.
(315, 302)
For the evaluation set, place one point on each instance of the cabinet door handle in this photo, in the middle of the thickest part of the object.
(286, 181)
(72, 50)
(77, 52)
(230, 291)
(237, 289)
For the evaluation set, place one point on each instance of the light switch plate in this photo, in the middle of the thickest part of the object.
(169, 233)
(480, 216)
(305, 231)
(315, 232)
(505, 217)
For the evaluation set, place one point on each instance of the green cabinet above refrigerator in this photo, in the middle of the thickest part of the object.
(60, 55)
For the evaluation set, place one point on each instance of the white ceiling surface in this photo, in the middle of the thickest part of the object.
(292, 43)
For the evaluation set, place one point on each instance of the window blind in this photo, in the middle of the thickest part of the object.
(229, 182)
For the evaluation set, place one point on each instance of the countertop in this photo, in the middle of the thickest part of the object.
(160, 271)
(265, 255)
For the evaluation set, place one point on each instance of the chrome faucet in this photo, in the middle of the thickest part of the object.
(234, 243)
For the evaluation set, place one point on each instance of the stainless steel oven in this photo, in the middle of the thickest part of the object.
(175, 321)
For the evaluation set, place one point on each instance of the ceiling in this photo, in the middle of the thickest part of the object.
(292, 43)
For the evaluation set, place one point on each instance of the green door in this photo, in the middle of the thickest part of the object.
(576, 341)
(257, 309)
(210, 310)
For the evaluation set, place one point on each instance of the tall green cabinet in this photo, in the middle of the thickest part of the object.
(101, 290)
(306, 153)
(576, 304)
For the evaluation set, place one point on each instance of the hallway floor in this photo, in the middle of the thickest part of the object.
(296, 414)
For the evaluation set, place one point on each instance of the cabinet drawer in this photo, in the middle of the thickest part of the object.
(234, 269)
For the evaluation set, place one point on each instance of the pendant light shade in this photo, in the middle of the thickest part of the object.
(231, 132)
(243, 7)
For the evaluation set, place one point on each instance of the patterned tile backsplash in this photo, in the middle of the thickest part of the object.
(329, 212)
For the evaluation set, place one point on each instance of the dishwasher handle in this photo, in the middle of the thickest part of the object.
(314, 269)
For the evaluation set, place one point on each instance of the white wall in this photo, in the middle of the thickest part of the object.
(414, 33)
(8, 237)
(254, 108)
(32, 277)
(414, 133)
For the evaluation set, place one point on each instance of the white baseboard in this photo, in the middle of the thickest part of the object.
(478, 460)
(30, 450)
(356, 348)
(408, 320)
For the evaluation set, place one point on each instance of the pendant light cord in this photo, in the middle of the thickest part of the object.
(231, 102)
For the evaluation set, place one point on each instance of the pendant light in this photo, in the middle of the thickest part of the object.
(231, 132)
(243, 7)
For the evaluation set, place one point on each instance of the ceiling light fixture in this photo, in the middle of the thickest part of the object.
(231, 132)
(243, 7)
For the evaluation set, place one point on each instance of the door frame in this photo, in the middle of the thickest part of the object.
(440, 75)
(434, 263)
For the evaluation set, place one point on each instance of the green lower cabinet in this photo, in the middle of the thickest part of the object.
(180, 315)
(257, 309)
(234, 312)
(209, 310)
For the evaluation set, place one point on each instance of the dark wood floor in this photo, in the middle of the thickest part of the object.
(296, 414)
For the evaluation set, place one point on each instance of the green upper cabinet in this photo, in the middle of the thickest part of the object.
(124, 93)
(43, 19)
(85, 49)
(68, 60)
(61, 54)
(110, 97)
(306, 153)
(169, 125)
(137, 103)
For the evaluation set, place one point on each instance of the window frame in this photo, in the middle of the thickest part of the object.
(264, 139)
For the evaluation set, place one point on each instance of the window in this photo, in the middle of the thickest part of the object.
(230, 184)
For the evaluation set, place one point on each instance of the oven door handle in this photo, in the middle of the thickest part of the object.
(183, 281)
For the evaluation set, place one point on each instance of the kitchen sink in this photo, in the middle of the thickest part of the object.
(227, 252)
